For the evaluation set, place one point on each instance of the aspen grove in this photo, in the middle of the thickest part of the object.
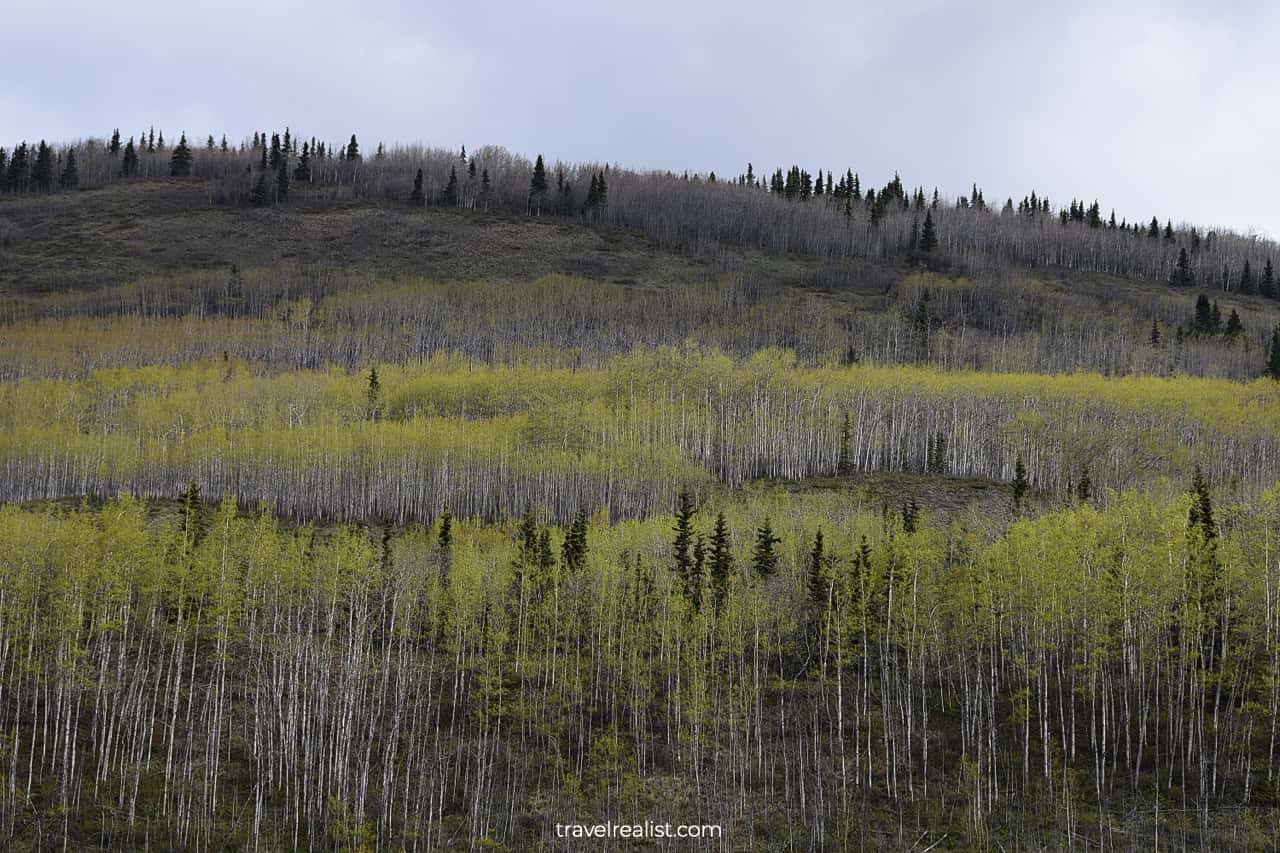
(366, 497)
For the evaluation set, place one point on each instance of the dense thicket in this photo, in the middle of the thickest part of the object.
(485, 440)
(286, 318)
(204, 679)
(791, 214)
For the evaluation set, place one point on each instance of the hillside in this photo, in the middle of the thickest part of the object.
(342, 513)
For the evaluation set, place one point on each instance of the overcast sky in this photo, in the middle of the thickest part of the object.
(1154, 108)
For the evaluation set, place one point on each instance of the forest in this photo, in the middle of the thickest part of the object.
(418, 499)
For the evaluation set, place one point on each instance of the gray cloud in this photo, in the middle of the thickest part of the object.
(1155, 108)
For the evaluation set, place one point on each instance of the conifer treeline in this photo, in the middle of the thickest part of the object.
(794, 669)
(791, 212)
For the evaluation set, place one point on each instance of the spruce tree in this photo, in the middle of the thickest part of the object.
(1203, 320)
(114, 145)
(1084, 489)
(416, 198)
(180, 160)
(764, 559)
(449, 195)
(818, 582)
(42, 171)
(538, 185)
(721, 562)
(373, 396)
(444, 547)
(1247, 285)
(129, 164)
(302, 172)
(353, 149)
(282, 180)
(70, 177)
(1200, 516)
(1182, 270)
(1021, 485)
(1273, 356)
(928, 236)
(19, 173)
(1234, 326)
(1267, 286)
(485, 188)
(682, 547)
(910, 515)
(260, 195)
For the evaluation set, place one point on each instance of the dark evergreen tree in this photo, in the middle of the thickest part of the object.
(1234, 326)
(1200, 516)
(129, 164)
(1182, 270)
(1154, 230)
(1154, 340)
(573, 553)
(683, 544)
(1247, 284)
(764, 559)
(302, 172)
(282, 180)
(1084, 489)
(1215, 318)
(260, 195)
(353, 149)
(1203, 320)
(373, 396)
(42, 170)
(538, 185)
(928, 235)
(1273, 356)
(818, 581)
(1021, 485)
(910, 516)
(449, 195)
(721, 561)
(70, 177)
(1267, 286)
(180, 160)
(485, 188)
(416, 198)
